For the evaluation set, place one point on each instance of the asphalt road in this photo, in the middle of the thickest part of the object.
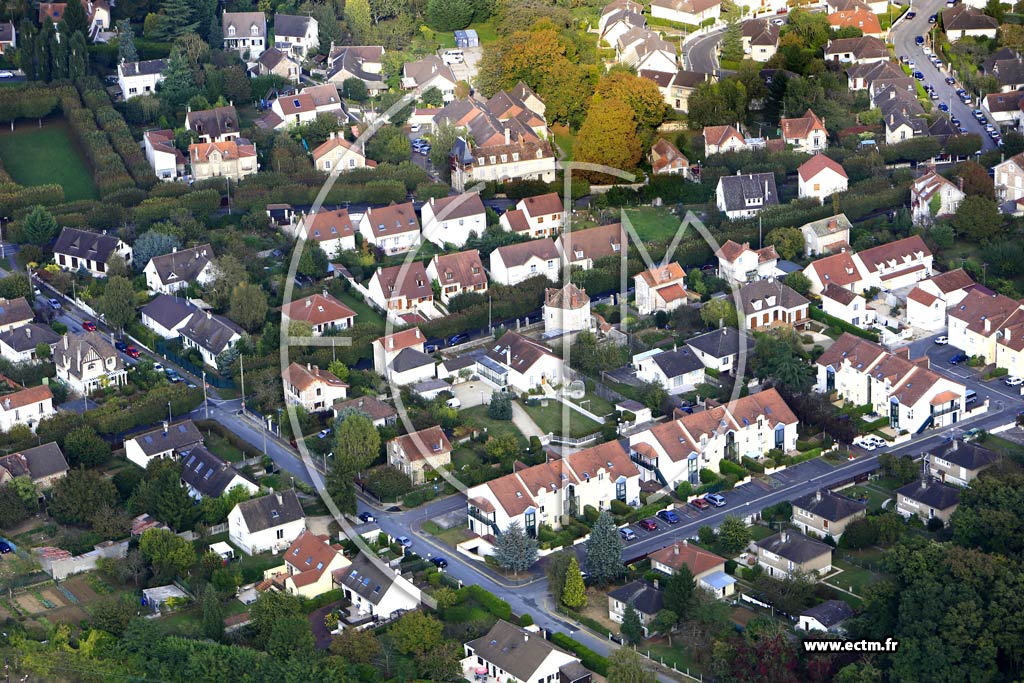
(903, 39)
(701, 53)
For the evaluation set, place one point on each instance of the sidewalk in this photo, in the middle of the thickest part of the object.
(524, 423)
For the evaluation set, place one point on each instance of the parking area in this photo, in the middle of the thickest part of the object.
(466, 71)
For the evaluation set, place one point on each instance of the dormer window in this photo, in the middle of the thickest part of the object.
(255, 30)
(231, 30)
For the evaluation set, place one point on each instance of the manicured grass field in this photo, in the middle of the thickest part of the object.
(477, 416)
(38, 156)
(364, 312)
(853, 578)
(549, 419)
(653, 224)
(565, 140)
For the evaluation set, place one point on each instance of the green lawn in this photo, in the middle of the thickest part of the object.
(653, 224)
(853, 578)
(887, 18)
(450, 537)
(565, 140)
(758, 532)
(1006, 448)
(220, 447)
(38, 156)
(676, 656)
(876, 496)
(595, 404)
(550, 418)
(477, 416)
(364, 311)
(463, 456)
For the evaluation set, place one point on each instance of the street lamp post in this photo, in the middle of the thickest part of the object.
(206, 403)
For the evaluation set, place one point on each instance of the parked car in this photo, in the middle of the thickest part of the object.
(323, 433)
(88, 326)
(457, 339)
(6, 74)
(864, 442)
(430, 348)
(439, 562)
(700, 504)
(911, 14)
(933, 19)
(716, 499)
(5, 547)
(918, 75)
(669, 516)
(120, 346)
(627, 534)
(958, 358)
(648, 524)
(971, 434)
(954, 120)
(404, 541)
(132, 352)
(367, 517)
(943, 106)
(1014, 381)
(919, 40)
(54, 304)
(942, 341)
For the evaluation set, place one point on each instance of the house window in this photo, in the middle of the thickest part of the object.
(280, 534)
(620, 490)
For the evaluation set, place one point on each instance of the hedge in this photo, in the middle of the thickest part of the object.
(588, 657)
(876, 424)
(492, 603)
(832, 321)
(729, 467)
(322, 600)
(753, 465)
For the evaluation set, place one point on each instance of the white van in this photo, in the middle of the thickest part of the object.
(454, 403)
(450, 57)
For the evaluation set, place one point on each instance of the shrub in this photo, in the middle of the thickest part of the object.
(729, 467)
(525, 620)
(490, 602)
(730, 567)
(620, 509)
(707, 476)
(753, 465)
(588, 657)
(590, 514)
(684, 490)
(838, 325)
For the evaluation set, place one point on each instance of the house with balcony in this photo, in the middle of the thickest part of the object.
(419, 452)
(521, 364)
(676, 451)
(770, 303)
(403, 289)
(738, 264)
(457, 274)
(959, 462)
(514, 263)
(265, 524)
(393, 229)
(314, 389)
(453, 220)
(743, 196)
(913, 396)
(927, 499)
(661, 288)
(87, 362)
(554, 491)
(535, 217)
(708, 569)
(582, 248)
(932, 197)
(92, 252)
(826, 513)
(788, 553)
(513, 653)
(245, 33)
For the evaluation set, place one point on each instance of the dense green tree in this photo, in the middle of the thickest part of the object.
(719, 313)
(778, 357)
(715, 103)
(151, 244)
(113, 613)
(574, 593)
(788, 242)
(13, 510)
(356, 442)
(213, 613)
(248, 306)
(632, 629)
(39, 227)
(557, 571)
(178, 85)
(679, 592)
(448, 15)
(733, 535)
(664, 622)
(83, 447)
(500, 406)
(161, 495)
(356, 646)
(314, 261)
(78, 57)
(271, 607)
(118, 302)
(357, 16)
(126, 51)
(291, 637)
(442, 139)
(798, 282)
(504, 449)
(608, 137)
(626, 666)
(640, 94)
(514, 549)
(79, 494)
(354, 89)
(416, 633)
(604, 550)
(170, 554)
(74, 20)
(389, 145)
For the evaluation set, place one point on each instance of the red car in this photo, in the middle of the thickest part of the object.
(88, 326)
(132, 352)
(700, 504)
(648, 524)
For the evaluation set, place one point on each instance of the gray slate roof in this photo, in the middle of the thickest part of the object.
(144, 68)
(271, 510)
(86, 245)
(932, 493)
(829, 613)
(720, 343)
(27, 337)
(794, 546)
(829, 505)
(168, 310)
(763, 290)
(408, 359)
(290, 25)
(365, 578)
(513, 649)
(183, 265)
(37, 462)
(677, 363)
(243, 23)
(213, 122)
(738, 188)
(968, 455)
(211, 332)
(644, 597)
(182, 436)
(206, 473)
(76, 349)
(15, 311)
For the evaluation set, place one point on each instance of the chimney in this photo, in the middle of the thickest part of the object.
(324, 293)
(417, 333)
(391, 342)
(960, 183)
(28, 332)
(686, 542)
(209, 315)
(508, 356)
(174, 250)
(166, 427)
(526, 637)
(508, 136)
(924, 482)
(280, 499)
(817, 495)
(956, 444)
(655, 584)
(784, 536)
(309, 367)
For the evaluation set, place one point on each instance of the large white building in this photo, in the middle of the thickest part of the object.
(521, 364)
(514, 263)
(452, 220)
(140, 78)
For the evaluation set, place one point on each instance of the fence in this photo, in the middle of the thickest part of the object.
(173, 354)
(607, 393)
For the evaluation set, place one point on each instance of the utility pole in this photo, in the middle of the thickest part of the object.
(170, 418)
(206, 403)
(241, 364)
(760, 245)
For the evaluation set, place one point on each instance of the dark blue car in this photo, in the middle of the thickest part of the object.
(669, 516)
(457, 339)
(958, 358)
(121, 346)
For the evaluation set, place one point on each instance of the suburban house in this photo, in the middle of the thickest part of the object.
(932, 196)
(582, 248)
(376, 411)
(719, 348)
(521, 364)
(841, 303)
(909, 393)
(393, 229)
(322, 312)
(403, 289)
(87, 361)
(15, 313)
(296, 34)
(691, 12)
(677, 450)
(964, 21)
(864, 76)
(166, 315)
(25, 406)
(551, 491)
(309, 566)
(612, 25)
(509, 652)
(167, 161)
(840, 268)
(430, 72)
(413, 454)
(566, 310)
(826, 513)
(959, 462)
(662, 288)
(677, 371)
(676, 88)
(1003, 108)
(338, 153)
(90, 251)
(645, 598)
(1009, 180)
(164, 442)
(645, 50)
(539, 216)
(707, 568)
(331, 230)
(770, 303)
(399, 357)
(314, 389)
(861, 18)
(820, 177)
(1007, 67)
(523, 155)
(925, 310)
(980, 324)
(169, 273)
(863, 50)
(97, 14)
(826, 616)
(234, 159)
(739, 264)
(666, 159)
(373, 591)
(927, 498)
(452, 220)
(245, 33)
(140, 78)
(827, 235)
(514, 263)
(205, 475)
(365, 62)
(304, 106)
(896, 264)
(219, 124)
(8, 36)
(209, 334)
(458, 273)
(760, 39)
(805, 134)
(275, 62)
(743, 196)
(787, 553)
(721, 139)
(268, 523)
(19, 344)
(43, 464)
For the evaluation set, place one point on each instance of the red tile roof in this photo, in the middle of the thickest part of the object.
(317, 309)
(817, 164)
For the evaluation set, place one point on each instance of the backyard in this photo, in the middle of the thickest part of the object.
(364, 312)
(565, 141)
(653, 224)
(40, 156)
(551, 419)
(477, 416)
